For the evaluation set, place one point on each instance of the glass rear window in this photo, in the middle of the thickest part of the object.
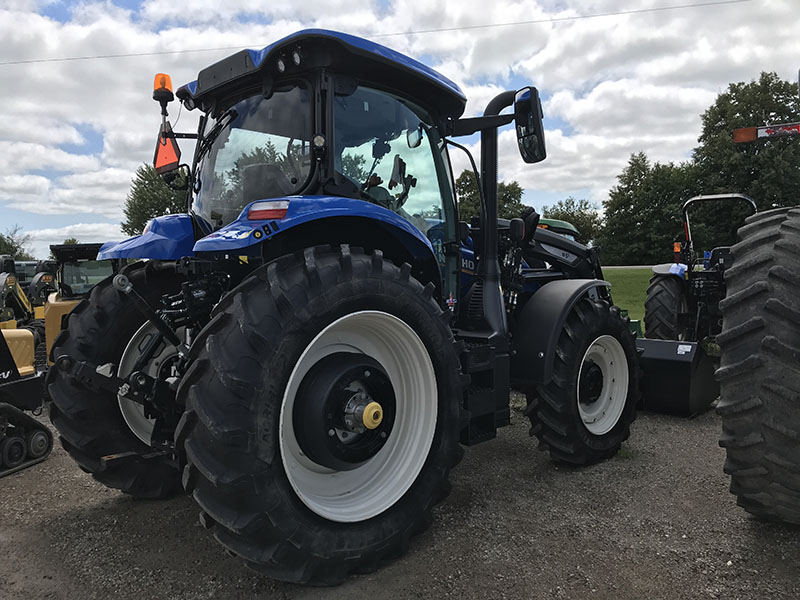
(261, 149)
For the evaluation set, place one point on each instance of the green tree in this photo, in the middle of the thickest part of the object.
(581, 213)
(353, 167)
(643, 211)
(509, 198)
(768, 171)
(15, 243)
(150, 197)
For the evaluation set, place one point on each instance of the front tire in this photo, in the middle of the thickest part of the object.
(759, 372)
(584, 413)
(270, 458)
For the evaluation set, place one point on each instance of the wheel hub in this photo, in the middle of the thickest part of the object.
(344, 411)
(591, 383)
(602, 385)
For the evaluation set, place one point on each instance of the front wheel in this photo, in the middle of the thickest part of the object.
(584, 413)
(322, 418)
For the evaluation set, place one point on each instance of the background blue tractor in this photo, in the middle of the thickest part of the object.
(307, 349)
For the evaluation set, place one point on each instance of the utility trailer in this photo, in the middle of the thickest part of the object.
(307, 349)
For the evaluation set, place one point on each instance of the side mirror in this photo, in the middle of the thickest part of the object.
(530, 130)
(414, 137)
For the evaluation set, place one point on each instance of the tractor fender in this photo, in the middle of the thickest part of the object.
(170, 237)
(321, 220)
(536, 330)
(243, 232)
(664, 269)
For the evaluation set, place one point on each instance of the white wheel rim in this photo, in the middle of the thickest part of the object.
(375, 486)
(133, 412)
(601, 415)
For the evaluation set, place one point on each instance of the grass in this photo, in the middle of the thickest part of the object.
(628, 288)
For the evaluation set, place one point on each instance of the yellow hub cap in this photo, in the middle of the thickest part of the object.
(373, 415)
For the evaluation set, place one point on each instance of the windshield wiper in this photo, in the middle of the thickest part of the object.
(205, 142)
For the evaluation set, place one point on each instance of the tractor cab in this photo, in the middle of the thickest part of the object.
(325, 126)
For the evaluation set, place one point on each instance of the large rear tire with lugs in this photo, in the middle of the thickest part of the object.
(322, 415)
(93, 423)
(759, 371)
(663, 305)
(583, 414)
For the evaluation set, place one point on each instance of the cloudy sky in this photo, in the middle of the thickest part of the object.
(72, 132)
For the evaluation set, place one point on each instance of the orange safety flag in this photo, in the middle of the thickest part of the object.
(167, 156)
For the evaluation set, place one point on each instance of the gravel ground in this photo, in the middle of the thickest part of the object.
(657, 521)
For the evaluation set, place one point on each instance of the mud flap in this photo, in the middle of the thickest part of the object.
(678, 377)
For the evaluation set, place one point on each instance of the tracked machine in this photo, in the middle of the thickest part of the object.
(30, 323)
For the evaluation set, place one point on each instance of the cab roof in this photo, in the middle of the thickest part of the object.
(321, 48)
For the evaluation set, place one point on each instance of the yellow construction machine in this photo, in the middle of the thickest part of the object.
(29, 323)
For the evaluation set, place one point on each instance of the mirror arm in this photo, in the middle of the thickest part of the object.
(459, 127)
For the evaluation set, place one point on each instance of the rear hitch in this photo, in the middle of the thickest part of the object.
(157, 396)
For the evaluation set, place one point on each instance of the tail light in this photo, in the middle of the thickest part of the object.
(269, 209)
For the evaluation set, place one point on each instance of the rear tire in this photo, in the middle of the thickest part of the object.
(665, 300)
(89, 422)
(584, 413)
(759, 372)
(283, 512)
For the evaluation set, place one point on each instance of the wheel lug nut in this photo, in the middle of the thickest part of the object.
(331, 433)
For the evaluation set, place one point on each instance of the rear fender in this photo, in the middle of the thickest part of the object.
(665, 270)
(538, 326)
(244, 232)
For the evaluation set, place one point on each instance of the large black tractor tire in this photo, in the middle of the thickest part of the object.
(759, 372)
(665, 300)
(250, 397)
(89, 422)
(584, 413)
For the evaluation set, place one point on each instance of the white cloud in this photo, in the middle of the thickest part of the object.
(85, 233)
(616, 84)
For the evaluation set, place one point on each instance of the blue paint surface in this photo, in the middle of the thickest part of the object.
(242, 232)
(168, 238)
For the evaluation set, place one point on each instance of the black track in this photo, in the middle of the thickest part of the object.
(233, 394)
(89, 422)
(759, 371)
(17, 424)
(553, 408)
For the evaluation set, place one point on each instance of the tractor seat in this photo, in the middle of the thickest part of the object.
(721, 258)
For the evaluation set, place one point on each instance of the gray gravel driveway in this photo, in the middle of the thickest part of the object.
(657, 521)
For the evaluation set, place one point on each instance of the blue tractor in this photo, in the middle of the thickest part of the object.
(307, 349)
